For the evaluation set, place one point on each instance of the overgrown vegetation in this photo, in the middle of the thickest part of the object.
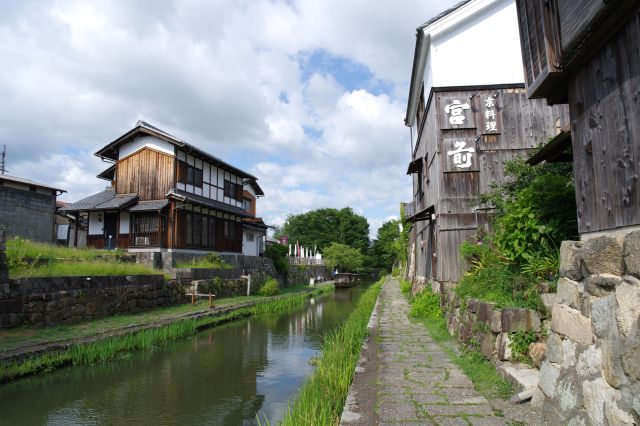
(425, 306)
(270, 287)
(209, 261)
(278, 254)
(148, 339)
(30, 259)
(535, 212)
(520, 341)
(321, 398)
(405, 286)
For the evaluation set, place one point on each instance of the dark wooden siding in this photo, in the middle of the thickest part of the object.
(524, 124)
(605, 110)
(147, 172)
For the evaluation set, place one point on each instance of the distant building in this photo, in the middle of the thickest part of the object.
(468, 113)
(168, 195)
(28, 208)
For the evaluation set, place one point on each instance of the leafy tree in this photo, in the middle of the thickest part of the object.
(319, 228)
(343, 257)
(385, 249)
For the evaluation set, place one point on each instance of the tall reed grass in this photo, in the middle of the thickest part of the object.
(114, 347)
(321, 398)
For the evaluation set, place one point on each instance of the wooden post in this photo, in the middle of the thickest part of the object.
(210, 301)
(193, 298)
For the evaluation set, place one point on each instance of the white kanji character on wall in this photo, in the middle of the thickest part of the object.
(490, 114)
(489, 102)
(491, 126)
(455, 111)
(461, 156)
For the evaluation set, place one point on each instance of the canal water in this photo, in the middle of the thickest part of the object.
(227, 375)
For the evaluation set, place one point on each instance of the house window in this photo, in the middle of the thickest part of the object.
(250, 237)
(247, 205)
(229, 230)
(232, 190)
(145, 230)
(189, 174)
(200, 230)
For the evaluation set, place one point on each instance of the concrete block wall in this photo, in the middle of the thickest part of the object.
(27, 214)
(591, 373)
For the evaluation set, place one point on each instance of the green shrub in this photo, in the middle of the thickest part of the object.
(278, 254)
(426, 304)
(270, 287)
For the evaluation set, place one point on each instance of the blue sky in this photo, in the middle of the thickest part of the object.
(307, 95)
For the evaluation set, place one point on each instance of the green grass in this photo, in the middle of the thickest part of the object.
(482, 373)
(87, 268)
(321, 398)
(19, 247)
(405, 286)
(114, 347)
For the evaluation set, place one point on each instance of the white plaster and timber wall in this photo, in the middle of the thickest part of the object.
(145, 142)
(124, 223)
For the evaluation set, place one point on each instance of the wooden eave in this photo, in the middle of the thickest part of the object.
(557, 150)
(108, 174)
(415, 166)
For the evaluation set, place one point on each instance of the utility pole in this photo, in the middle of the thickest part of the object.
(2, 157)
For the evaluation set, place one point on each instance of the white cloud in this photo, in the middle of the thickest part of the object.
(228, 76)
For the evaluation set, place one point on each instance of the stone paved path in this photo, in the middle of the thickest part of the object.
(406, 378)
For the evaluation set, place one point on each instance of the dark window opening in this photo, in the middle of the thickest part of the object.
(233, 190)
(189, 175)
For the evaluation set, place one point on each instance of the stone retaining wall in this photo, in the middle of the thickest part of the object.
(483, 325)
(591, 373)
(301, 274)
(67, 300)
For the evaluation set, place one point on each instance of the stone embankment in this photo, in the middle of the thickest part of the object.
(68, 300)
(591, 373)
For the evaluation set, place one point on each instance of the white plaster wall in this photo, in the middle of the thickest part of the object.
(96, 219)
(124, 222)
(480, 49)
(145, 141)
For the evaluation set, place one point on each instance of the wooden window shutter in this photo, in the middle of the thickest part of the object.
(182, 171)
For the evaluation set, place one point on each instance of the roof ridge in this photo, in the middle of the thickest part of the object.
(444, 13)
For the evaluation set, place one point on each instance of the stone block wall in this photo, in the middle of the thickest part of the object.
(488, 328)
(301, 274)
(591, 373)
(67, 300)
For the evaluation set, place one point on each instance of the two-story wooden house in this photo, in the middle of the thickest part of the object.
(468, 113)
(166, 194)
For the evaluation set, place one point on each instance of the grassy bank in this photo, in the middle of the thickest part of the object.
(321, 398)
(425, 307)
(148, 339)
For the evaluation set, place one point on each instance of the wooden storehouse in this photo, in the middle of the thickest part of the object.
(468, 113)
(166, 194)
(586, 53)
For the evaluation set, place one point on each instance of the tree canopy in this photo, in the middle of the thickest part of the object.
(385, 249)
(322, 227)
(343, 257)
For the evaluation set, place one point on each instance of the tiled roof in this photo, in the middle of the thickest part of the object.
(105, 200)
(444, 13)
(28, 182)
(207, 202)
(150, 205)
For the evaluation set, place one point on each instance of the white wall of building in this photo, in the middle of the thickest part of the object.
(145, 141)
(250, 248)
(96, 221)
(478, 44)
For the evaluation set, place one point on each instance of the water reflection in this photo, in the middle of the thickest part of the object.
(223, 376)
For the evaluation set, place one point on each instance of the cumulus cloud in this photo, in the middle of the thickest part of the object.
(239, 79)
